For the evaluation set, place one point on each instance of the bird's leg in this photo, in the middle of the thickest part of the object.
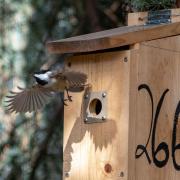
(62, 99)
(69, 97)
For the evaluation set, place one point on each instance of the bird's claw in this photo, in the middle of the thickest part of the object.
(70, 98)
(64, 102)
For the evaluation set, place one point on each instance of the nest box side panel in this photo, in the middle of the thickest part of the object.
(154, 139)
(99, 151)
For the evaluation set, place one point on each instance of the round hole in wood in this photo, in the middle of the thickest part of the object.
(95, 106)
(122, 174)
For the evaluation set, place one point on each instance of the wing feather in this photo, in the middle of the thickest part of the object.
(28, 100)
(33, 102)
(14, 103)
(20, 88)
(12, 92)
(42, 97)
(24, 105)
(38, 102)
(75, 78)
(20, 103)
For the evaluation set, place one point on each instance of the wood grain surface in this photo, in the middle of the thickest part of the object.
(155, 64)
(113, 38)
(99, 151)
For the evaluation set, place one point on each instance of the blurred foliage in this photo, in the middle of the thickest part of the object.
(144, 5)
(31, 144)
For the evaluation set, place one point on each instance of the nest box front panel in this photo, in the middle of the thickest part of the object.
(154, 140)
(96, 122)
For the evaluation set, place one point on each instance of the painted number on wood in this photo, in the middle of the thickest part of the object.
(163, 146)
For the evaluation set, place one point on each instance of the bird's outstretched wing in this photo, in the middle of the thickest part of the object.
(75, 79)
(28, 100)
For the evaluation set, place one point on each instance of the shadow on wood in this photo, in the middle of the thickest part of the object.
(81, 133)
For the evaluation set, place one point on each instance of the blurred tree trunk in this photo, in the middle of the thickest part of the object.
(43, 148)
(92, 15)
(2, 28)
(177, 3)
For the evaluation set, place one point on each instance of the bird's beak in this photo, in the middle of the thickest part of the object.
(31, 74)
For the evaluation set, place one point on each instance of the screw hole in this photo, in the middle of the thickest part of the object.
(69, 64)
(121, 174)
(95, 107)
(125, 59)
(66, 174)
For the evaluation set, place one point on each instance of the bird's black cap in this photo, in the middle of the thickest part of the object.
(41, 71)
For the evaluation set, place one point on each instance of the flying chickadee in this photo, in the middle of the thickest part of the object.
(48, 83)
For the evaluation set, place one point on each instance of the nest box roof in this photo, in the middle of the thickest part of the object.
(113, 38)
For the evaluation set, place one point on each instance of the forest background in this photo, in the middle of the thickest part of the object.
(31, 143)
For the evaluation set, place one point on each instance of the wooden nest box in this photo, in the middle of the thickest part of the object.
(127, 127)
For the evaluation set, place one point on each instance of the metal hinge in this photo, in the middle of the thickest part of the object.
(159, 17)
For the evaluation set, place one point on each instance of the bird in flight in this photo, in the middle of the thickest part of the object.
(48, 83)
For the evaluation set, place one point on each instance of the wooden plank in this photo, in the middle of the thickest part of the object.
(175, 15)
(99, 151)
(156, 66)
(113, 38)
(137, 18)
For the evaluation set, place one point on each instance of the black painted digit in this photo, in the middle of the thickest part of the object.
(162, 146)
(174, 145)
(142, 148)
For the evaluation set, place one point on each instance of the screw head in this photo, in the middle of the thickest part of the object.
(125, 59)
(69, 64)
(86, 119)
(66, 174)
(121, 174)
(86, 96)
(103, 118)
(104, 95)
